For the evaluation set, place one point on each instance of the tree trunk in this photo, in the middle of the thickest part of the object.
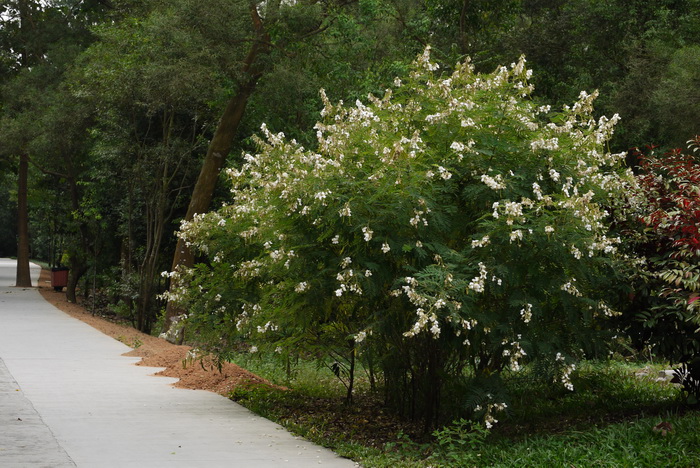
(218, 150)
(78, 268)
(351, 373)
(24, 278)
(79, 252)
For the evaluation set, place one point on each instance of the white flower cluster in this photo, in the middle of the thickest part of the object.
(362, 335)
(491, 408)
(514, 354)
(494, 183)
(526, 313)
(248, 269)
(566, 371)
(516, 235)
(269, 326)
(348, 282)
(424, 319)
(550, 144)
(419, 219)
(607, 311)
(478, 283)
(483, 242)
(571, 288)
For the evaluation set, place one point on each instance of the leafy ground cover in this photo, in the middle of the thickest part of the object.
(618, 415)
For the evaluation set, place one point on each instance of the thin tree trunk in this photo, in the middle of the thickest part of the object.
(351, 373)
(24, 278)
(463, 36)
(218, 150)
(78, 255)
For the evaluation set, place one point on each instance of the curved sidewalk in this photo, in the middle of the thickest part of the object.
(69, 398)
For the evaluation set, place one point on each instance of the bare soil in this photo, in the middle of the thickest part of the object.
(157, 352)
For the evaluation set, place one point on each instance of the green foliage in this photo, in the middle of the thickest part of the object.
(452, 224)
(666, 204)
(688, 376)
(459, 444)
(676, 97)
(609, 419)
(622, 48)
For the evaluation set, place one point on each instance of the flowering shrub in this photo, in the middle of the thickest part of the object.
(668, 204)
(451, 224)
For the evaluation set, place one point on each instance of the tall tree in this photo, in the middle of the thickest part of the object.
(23, 275)
(292, 23)
(41, 39)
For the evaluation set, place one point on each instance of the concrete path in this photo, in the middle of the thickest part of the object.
(69, 398)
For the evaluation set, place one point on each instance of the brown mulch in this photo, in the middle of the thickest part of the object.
(157, 352)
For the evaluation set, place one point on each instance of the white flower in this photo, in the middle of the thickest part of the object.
(551, 144)
(548, 229)
(477, 283)
(516, 235)
(484, 241)
(385, 247)
(322, 195)
(576, 252)
(345, 212)
(494, 183)
(457, 146)
(571, 288)
(301, 287)
(444, 173)
(367, 233)
(537, 190)
(335, 239)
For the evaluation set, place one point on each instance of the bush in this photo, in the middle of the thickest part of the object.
(452, 227)
(667, 204)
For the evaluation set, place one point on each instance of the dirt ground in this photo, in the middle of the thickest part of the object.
(156, 352)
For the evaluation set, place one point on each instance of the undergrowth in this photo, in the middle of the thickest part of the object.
(609, 420)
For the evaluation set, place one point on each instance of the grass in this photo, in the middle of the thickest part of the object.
(608, 421)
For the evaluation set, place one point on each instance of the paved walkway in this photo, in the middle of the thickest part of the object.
(69, 398)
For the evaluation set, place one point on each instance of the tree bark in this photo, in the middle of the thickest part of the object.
(24, 278)
(218, 150)
(78, 253)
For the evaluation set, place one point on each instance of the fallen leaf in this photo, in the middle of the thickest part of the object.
(663, 427)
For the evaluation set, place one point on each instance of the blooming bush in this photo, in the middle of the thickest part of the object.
(453, 224)
(668, 206)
